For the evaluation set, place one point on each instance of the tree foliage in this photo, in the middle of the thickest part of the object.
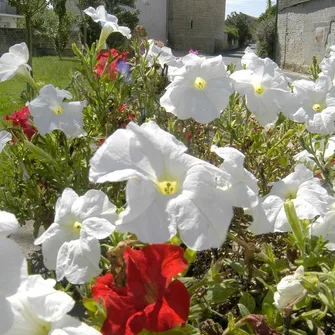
(265, 33)
(239, 26)
(65, 21)
(119, 8)
(29, 9)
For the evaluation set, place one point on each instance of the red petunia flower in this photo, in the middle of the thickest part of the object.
(20, 119)
(103, 58)
(150, 300)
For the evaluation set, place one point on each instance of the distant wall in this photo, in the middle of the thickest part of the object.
(7, 21)
(41, 46)
(153, 18)
(305, 29)
(196, 24)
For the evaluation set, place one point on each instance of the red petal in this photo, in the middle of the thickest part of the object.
(119, 304)
(171, 312)
(157, 263)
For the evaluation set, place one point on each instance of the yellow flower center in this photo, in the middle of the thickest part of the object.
(291, 195)
(317, 107)
(58, 110)
(200, 83)
(167, 187)
(76, 227)
(43, 328)
(259, 89)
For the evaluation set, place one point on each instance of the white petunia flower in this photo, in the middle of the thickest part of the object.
(164, 56)
(325, 227)
(41, 310)
(5, 137)
(265, 88)
(242, 183)
(289, 290)
(109, 23)
(70, 245)
(200, 89)
(328, 68)
(310, 199)
(317, 105)
(50, 112)
(14, 268)
(250, 61)
(15, 62)
(168, 191)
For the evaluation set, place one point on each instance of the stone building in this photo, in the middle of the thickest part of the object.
(185, 24)
(8, 15)
(305, 28)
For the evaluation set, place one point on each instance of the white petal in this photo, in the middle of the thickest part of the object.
(6, 315)
(242, 195)
(71, 120)
(63, 213)
(146, 214)
(71, 326)
(47, 303)
(260, 224)
(275, 213)
(322, 123)
(14, 267)
(202, 212)
(5, 137)
(8, 223)
(316, 196)
(52, 239)
(78, 260)
(94, 203)
(97, 227)
(20, 51)
(133, 150)
(202, 225)
(25, 321)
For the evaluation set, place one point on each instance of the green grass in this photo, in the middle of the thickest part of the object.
(47, 70)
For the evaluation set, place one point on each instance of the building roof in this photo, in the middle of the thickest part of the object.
(10, 15)
(282, 4)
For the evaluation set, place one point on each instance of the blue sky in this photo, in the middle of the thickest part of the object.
(250, 7)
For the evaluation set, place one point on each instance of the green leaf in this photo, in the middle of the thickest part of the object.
(243, 310)
(190, 255)
(187, 330)
(219, 294)
(39, 153)
(237, 267)
(91, 305)
(248, 301)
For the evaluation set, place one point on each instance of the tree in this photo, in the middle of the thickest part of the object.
(239, 25)
(91, 30)
(265, 33)
(64, 25)
(29, 9)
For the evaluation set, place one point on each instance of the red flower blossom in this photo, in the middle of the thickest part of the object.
(103, 58)
(20, 119)
(150, 300)
(122, 108)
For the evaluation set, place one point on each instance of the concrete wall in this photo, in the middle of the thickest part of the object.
(153, 17)
(304, 30)
(196, 24)
(8, 21)
(41, 45)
